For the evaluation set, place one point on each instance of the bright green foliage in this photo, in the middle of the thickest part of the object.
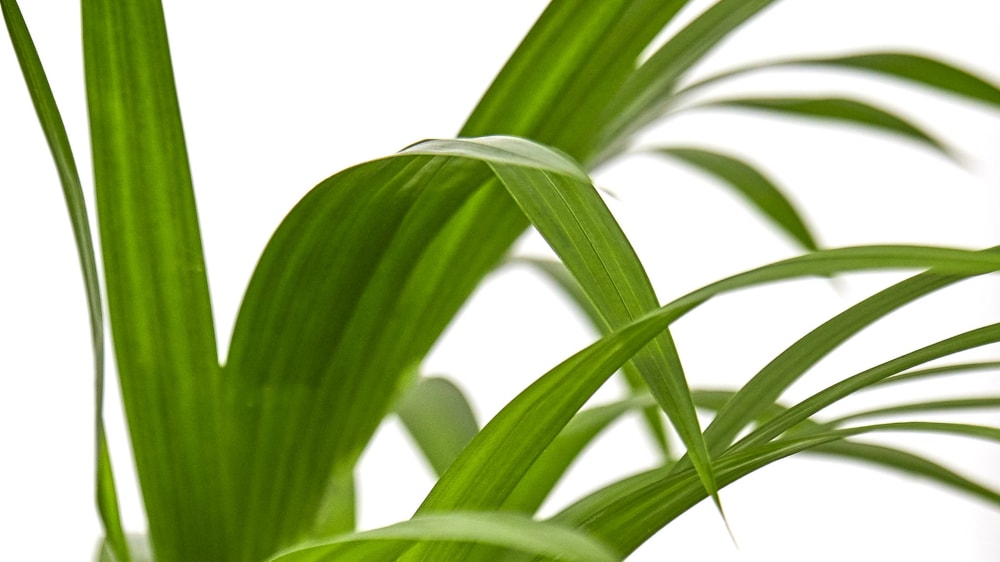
(254, 458)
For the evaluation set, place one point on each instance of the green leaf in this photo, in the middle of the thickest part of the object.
(956, 369)
(808, 407)
(836, 109)
(909, 463)
(437, 415)
(550, 467)
(573, 219)
(509, 530)
(765, 387)
(55, 134)
(978, 403)
(625, 513)
(564, 280)
(158, 300)
(489, 469)
(752, 185)
(374, 238)
(337, 512)
(567, 70)
(921, 70)
(650, 89)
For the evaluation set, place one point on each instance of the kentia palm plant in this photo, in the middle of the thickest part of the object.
(254, 459)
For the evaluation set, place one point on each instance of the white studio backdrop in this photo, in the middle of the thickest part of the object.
(275, 100)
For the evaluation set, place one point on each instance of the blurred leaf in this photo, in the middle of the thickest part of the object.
(437, 415)
(567, 70)
(836, 109)
(909, 463)
(512, 531)
(977, 403)
(650, 89)
(752, 185)
(923, 71)
(955, 369)
(55, 134)
(337, 512)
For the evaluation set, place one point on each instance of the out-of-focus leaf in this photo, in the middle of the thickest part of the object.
(566, 71)
(919, 69)
(836, 109)
(752, 185)
(649, 90)
(977, 403)
(956, 369)
(437, 415)
(55, 134)
(909, 463)
(512, 531)
(338, 511)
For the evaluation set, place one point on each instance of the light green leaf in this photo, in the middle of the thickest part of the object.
(906, 462)
(437, 415)
(836, 109)
(161, 318)
(55, 134)
(337, 512)
(752, 185)
(509, 530)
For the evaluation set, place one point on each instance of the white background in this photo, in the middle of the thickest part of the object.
(277, 97)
